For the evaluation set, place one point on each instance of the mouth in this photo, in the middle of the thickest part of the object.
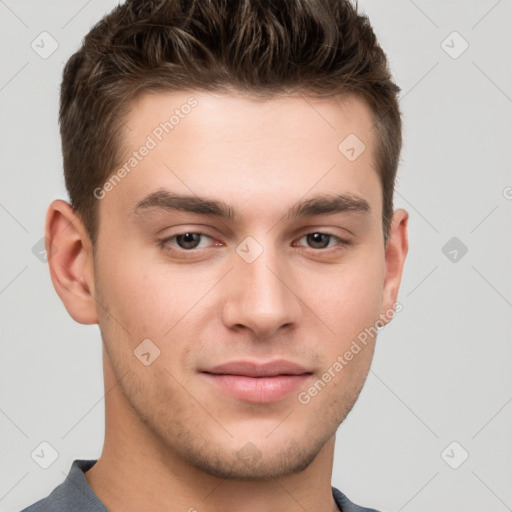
(258, 382)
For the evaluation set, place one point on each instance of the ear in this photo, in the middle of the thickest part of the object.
(395, 253)
(70, 257)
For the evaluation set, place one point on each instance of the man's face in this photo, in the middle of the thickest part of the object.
(271, 282)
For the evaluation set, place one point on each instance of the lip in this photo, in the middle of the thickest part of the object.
(258, 382)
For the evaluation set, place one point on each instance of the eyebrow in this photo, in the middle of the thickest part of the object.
(164, 200)
(328, 205)
(320, 205)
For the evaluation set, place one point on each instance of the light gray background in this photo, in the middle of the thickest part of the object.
(441, 371)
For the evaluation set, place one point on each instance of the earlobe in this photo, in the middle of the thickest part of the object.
(70, 258)
(396, 252)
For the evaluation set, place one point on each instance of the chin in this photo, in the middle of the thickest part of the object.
(251, 464)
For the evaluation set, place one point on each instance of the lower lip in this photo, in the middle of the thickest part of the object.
(258, 389)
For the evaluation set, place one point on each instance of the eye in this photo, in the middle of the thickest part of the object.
(321, 240)
(185, 242)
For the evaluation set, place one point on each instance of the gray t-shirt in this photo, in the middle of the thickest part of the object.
(76, 495)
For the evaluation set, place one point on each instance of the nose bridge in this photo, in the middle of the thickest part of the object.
(259, 296)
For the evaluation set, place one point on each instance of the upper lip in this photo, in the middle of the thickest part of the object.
(255, 369)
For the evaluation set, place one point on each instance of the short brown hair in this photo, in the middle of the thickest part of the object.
(260, 47)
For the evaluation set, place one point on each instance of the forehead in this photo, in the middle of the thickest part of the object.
(248, 150)
(248, 117)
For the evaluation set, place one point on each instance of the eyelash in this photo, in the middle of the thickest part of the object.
(164, 243)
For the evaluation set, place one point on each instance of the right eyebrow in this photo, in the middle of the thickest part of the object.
(164, 200)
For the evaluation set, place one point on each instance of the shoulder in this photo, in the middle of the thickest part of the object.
(345, 505)
(71, 495)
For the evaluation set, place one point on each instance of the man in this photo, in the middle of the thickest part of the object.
(230, 167)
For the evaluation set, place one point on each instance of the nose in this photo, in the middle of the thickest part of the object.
(260, 296)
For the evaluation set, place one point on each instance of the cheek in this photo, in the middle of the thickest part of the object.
(348, 296)
(152, 299)
(128, 295)
(349, 305)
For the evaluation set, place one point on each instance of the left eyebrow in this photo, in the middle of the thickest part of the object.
(328, 205)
